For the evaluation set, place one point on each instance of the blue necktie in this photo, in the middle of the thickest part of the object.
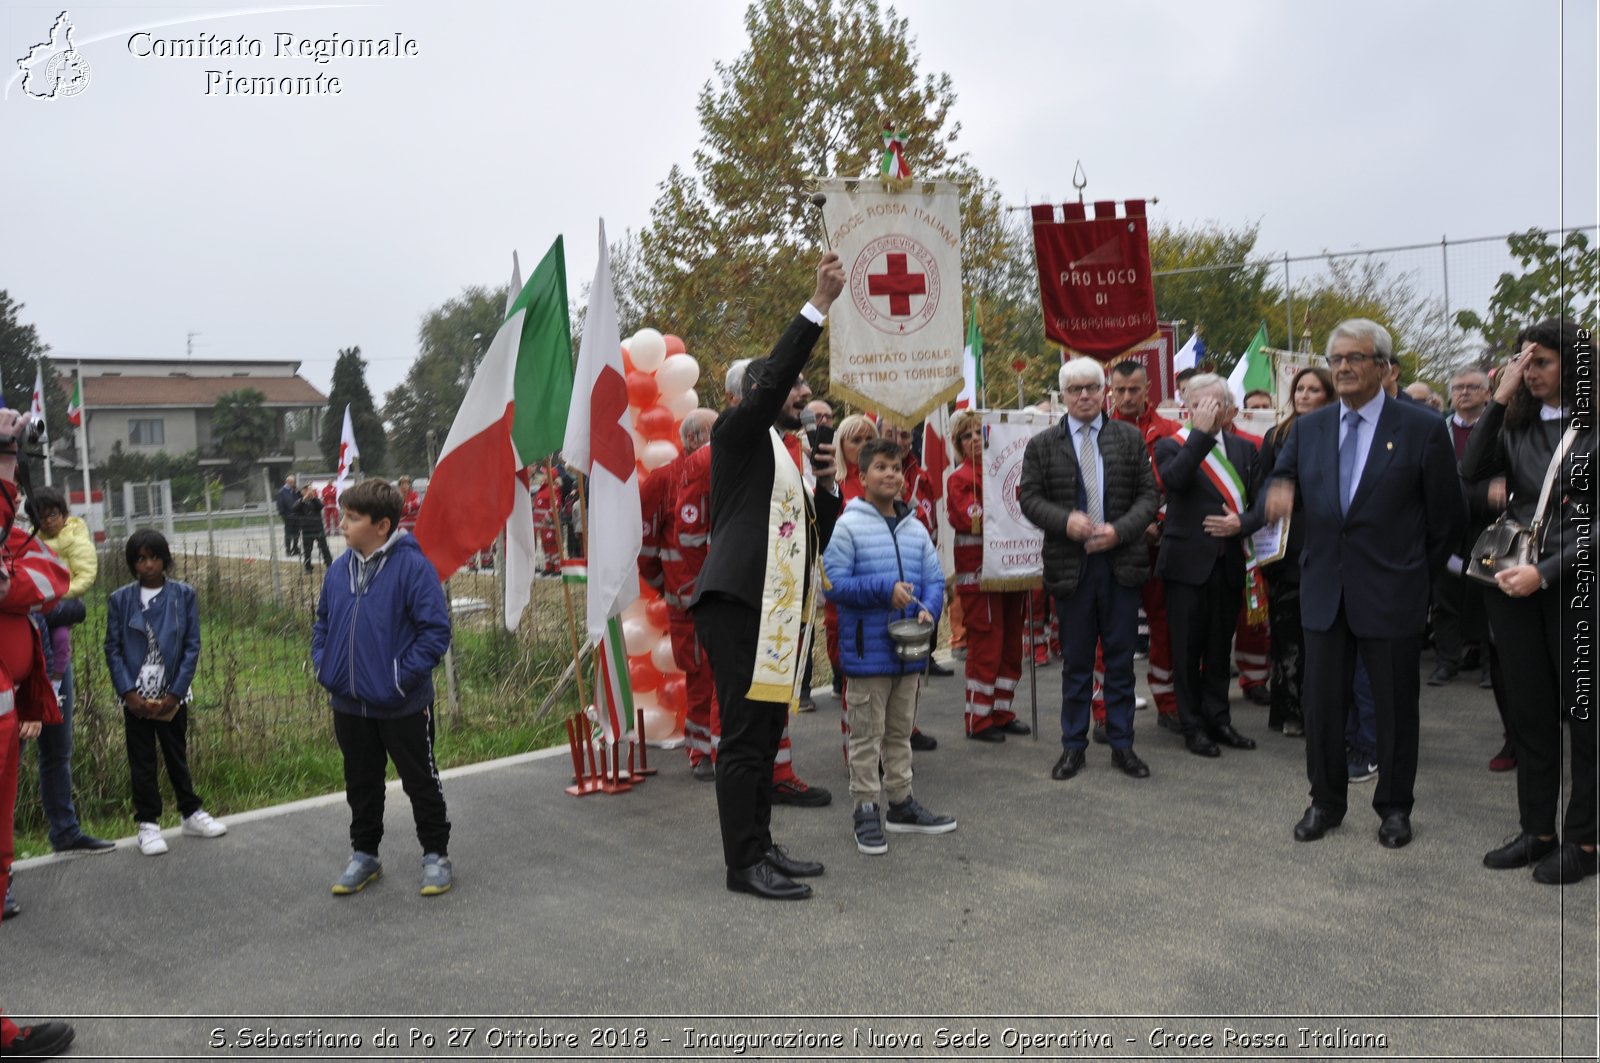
(1347, 460)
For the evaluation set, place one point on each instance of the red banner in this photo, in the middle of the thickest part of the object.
(1094, 278)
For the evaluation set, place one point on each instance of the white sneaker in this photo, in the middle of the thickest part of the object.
(201, 825)
(151, 843)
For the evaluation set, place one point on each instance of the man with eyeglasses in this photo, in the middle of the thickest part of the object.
(1088, 485)
(1382, 511)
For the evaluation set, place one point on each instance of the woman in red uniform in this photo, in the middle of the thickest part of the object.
(993, 618)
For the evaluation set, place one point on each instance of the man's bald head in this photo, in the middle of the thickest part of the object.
(695, 432)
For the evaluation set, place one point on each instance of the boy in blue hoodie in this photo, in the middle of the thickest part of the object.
(882, 566)
(382, 626)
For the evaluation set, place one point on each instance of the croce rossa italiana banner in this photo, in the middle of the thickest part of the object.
(1012, 546)
(895, 334)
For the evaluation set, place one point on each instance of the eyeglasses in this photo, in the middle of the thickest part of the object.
(964, 436)
(1083, 389)
(1466, 387)
(1357, 360)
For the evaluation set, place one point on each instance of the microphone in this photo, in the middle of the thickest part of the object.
(808, 421)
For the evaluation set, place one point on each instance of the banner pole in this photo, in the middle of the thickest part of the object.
(1033, 670)
(551, 483)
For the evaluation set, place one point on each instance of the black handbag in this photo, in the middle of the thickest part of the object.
(1507, 543)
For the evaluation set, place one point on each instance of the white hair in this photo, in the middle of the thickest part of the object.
(733, 383)
(1081, 371)
(1359, 328)
(1206, 382)
(696, 426)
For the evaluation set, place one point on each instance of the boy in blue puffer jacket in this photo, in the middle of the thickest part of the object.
(881, 566)
(382, 627)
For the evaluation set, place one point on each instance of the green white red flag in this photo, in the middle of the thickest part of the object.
(75, 404)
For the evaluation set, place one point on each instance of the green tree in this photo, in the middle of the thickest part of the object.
(731, 244)
(21, 353)
(350, 388)
(450, 343)
(120, 467)
(244, 429)
(1205, 277)
(1556, 280)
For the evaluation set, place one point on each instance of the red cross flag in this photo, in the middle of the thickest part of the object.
(895, 338)
(348, 452)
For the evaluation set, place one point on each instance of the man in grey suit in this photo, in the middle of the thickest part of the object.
(1088, 485)
(1382, 510)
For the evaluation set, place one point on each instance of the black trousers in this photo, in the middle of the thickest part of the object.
(1392, 665)
(291, 537)
(313, 536)
(144, 737)
(751, 731)
(1288, 650)
(368, 744)
(1458, 616)
(1535, 638)
(1200, 623)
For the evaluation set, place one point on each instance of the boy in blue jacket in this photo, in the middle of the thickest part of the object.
(880, 564)
(382, 626)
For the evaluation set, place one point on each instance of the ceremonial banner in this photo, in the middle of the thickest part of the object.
(1012, 547)
(1094, 278)
(895, 336)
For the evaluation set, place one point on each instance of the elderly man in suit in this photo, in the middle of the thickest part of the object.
(1088, 485)
(1205, 472)
(1383, 509)
(756, 590)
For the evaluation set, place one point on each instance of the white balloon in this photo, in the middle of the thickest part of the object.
(678, 373)
(636, 610)
(638, 636)
(647, 349)
(657, 453)
(681, 403)
(661, 656)
(660, 725)
(638, 440)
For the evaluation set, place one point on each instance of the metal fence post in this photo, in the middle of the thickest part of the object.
(272, 541)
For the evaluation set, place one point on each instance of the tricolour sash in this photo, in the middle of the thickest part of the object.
(1230, 485)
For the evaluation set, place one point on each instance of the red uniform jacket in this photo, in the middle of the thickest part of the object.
(963, 501)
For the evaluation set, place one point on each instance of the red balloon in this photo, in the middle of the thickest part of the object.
(675, 694)
(642, 390)
(655, 423)
(674, 345)
(655, 611)
(627, 361)
(642, 674)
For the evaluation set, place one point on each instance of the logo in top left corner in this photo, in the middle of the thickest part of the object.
(54, 69)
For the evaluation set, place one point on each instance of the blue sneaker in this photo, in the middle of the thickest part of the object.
(1363, 770)
(363, 870)
(909, 817)
(435, 875)
(869, 830)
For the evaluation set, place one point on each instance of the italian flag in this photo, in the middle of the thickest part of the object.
(513, 415)
(75, 404)
(971, 396)
(1253, 371)
(599, 446)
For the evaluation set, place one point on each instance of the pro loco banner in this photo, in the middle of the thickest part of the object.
(1094, 278)
(895, 337)
(1012, 547)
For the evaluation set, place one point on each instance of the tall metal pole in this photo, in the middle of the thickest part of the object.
(1444, 261)
(83, 448)
(449, 653)
(1288, 298)
(272, 540)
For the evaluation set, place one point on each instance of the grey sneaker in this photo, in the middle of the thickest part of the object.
(363, 870)
(435, 875)
(869, 831)
(909, 817)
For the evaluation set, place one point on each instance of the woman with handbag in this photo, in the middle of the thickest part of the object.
(1536, 436)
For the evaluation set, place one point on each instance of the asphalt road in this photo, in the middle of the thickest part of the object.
(1103, 917)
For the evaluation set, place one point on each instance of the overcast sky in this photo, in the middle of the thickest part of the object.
(141, 208)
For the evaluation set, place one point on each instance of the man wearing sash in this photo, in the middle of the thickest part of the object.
(757, 591)
(1205, 559)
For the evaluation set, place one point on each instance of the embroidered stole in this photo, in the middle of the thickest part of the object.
(1230, 485)
(788, 602)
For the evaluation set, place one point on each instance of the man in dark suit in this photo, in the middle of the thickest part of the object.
(1382, 510)
(1088, 485)
(286, 498)
(758, 573)
(1204, 471)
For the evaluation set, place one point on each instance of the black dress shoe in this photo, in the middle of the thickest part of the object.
(1168, 721)
(935, 668)
(1098, 733)
(1314, 824)
(1258, 695)
(1017, 727)
(766, 881)
(788, 865)
(923, 743)
(988, 734)
(1070, 764)
(1569, 863)
(1128, 762)
(1520, 851)
(1227, 736)
(1200, 745)
(1395, 831)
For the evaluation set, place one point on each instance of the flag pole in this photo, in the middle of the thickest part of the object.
(83, 447)
(566, 588)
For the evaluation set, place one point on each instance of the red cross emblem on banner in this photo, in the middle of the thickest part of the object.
(898, 283)
(897, 269)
